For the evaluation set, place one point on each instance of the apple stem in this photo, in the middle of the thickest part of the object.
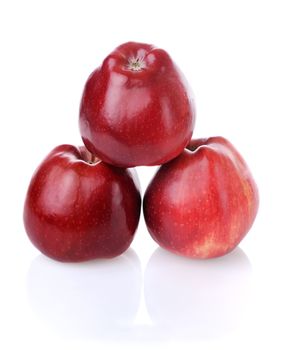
(87, 156)
(93, 159)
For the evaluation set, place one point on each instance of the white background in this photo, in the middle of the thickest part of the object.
(241, 59)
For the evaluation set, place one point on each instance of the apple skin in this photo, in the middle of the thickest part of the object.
(78, 208)
(202, 204)
(137, 108)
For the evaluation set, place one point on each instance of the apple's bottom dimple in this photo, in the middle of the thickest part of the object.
(135, 64)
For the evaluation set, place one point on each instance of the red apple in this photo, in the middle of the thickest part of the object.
(202, 203)
(136, 108)
(78, 208)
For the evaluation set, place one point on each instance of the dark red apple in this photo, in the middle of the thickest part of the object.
(78, 208)
(136, 108)
(202, 203)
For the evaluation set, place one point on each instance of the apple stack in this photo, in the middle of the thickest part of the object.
(84, 202)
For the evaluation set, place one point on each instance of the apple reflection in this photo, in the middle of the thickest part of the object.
(91, 299)
(194, 298)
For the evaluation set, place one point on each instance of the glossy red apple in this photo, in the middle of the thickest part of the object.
(202, 203)
(136, 108)
(78, 208)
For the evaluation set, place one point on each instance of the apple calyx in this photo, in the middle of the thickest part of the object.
(136, 64)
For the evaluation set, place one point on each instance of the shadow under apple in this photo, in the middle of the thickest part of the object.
(92, 299)
(196, 299)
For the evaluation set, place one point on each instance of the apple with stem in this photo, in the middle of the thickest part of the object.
(78, 208)
(202, 203)
(136, 108)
